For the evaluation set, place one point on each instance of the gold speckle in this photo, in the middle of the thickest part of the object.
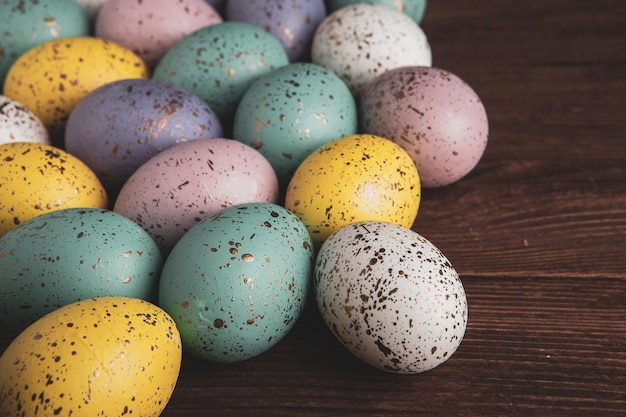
(246, 257)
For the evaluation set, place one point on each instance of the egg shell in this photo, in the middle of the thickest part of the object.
(37, 178)
(119, 126)
(293, 110)
(237, 282)
(26, 24)
(53, 76)
(354, 178)
(218, 63)
(92, 7)
(19, 124)
(415, 9)
(150, 28)
(390, 297)
(362, 41)
(68, 255)
(110, 356)
(186, 183)
(434, 115)
(292, 22)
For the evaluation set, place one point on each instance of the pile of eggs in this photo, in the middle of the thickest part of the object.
(189, 174)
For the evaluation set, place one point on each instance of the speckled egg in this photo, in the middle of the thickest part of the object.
(26, 24)
(110, 356)
(354, 178)
(237, 282)
(362, 41)
(150, 28)
(292, 22)
(186, 183)
(218, 63)
(68, 255)
(19, 124)
(119, 126)
(293, 110)
(413, 8)
(52, 77)
(390, 297)
(434, 115)
(37, 178)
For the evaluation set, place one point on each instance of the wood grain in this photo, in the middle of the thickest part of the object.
(537, 232)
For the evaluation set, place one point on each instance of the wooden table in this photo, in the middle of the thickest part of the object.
(537, 232)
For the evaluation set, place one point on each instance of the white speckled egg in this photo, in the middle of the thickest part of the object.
(390, 297)
(237, 282)
(186, 183)
(362, 41)
(434, 115)
(19, 124)
(108, 356)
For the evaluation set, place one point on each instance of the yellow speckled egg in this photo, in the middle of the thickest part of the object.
(354, 178)
(37, 178)
(53, 76)
(109, 356)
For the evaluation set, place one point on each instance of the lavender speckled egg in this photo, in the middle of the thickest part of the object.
(293, 110)
(434, 115)
(292, 22)
(186, 183)
(390, 297)
(413, 8)
(362, 41)
(218, 63)
(19, 124)
(119, 126)
(67, 255)
(28, 23)
(237, 282)
(150, 28)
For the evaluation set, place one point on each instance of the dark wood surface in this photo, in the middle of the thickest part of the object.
(537, 232)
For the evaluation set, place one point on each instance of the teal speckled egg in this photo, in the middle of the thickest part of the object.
(67, 255)
(293, 110)
(25, 24)
(218, 63)
(237, 282)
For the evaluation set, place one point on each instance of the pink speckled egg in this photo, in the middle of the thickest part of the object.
(434, 115)
(186, 183)
(150, 28)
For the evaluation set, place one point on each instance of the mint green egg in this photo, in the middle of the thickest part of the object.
(293, 110)
(26, 24)
(73, 254)
(237, 282)
(413, 8)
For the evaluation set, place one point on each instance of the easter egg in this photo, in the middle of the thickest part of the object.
(67, 255)
(119, 126)
(293, 110)
(38, 178)
(390, 297)
(53, 76)
(292, 22)
(109, 356)
(362, 41)
(434, 115)
(237, 282)
(26, 24)
(19, 124)
(218, 63)
(150, 28)
(354, 178)
(413, 8)
(186, 183)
